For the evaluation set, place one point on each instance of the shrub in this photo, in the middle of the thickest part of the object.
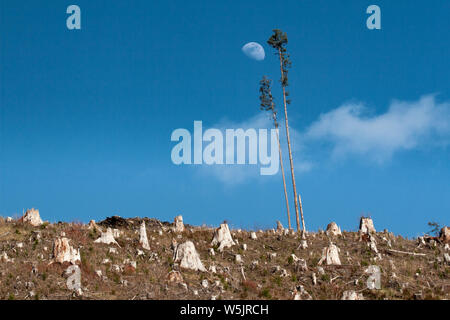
(265, 293)
(249, 285)
(436, 227)
(290, 260)
(325, 277)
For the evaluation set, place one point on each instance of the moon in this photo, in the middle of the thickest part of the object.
(254, 51)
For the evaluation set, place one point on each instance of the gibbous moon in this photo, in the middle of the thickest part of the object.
(254, 51)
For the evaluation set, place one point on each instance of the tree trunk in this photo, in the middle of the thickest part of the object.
(301, 213)
(284, 181)
(289, 144)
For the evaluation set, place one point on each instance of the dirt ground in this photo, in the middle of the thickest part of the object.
(29, 273)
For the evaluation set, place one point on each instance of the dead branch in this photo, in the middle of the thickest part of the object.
(406, 252)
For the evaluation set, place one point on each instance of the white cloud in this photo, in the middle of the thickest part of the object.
(236, 174)
(231, 174)
(349, 130)
(406, 125)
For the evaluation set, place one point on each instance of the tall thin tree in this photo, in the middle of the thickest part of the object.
(278, 41)
(267, 104)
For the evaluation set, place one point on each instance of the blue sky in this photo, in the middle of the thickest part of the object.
(86, 115)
